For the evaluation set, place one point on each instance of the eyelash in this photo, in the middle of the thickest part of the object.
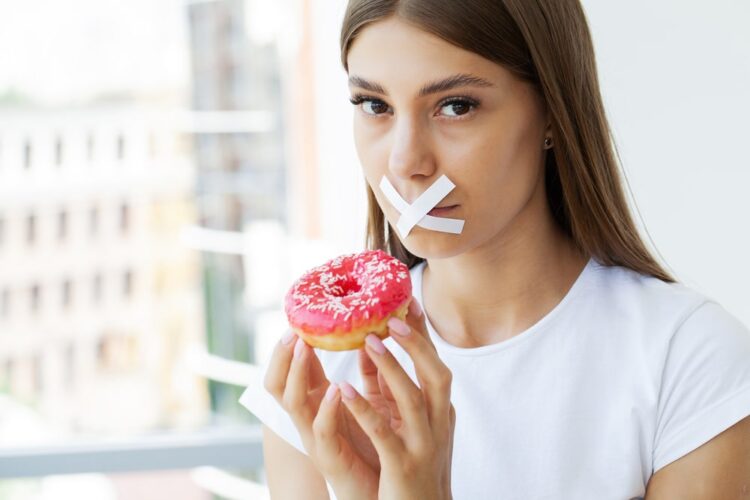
(358, 99)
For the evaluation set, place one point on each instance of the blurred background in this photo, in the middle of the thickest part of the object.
(168, 167)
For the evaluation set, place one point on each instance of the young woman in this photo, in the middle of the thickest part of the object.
(552, 356)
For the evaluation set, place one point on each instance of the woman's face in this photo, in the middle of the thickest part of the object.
(486, 135)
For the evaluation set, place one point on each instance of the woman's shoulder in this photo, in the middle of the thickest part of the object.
(628, 282)
(650, 299)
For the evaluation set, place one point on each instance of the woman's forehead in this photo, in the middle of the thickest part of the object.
(395, 38)
(394, 53)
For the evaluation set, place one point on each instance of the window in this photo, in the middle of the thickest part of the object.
(9, 369)
(62, 225)
(124, 217)
(27, 154)
(116, 351)
(120, 147)
(30, 229)
(58, 151)
(38, 374)
(36, 298)
(67, 293)
(102, 352)
(70, 358)
(90, 147)
(97, 288)
(127, 283)
(5, 303)
(94, 221)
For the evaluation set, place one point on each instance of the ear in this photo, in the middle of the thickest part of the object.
(548, 133)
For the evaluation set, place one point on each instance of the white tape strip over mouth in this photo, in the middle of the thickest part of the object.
(416, 213)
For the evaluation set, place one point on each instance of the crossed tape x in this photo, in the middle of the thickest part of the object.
(416, 213)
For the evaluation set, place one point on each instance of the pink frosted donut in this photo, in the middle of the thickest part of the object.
(336, 305)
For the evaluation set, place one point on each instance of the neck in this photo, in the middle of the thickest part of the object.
(503, 287)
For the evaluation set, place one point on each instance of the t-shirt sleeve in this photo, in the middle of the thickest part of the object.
(337, 366)
(265, 407)
(705, 386)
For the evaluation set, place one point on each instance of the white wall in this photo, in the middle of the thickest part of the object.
(675, 77)
(342, 185)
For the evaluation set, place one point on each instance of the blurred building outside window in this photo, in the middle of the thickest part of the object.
(151, 235)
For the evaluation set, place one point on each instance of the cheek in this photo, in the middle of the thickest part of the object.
(477, 163)
(497, 168)
(367, 149)
(358, 141)
(373, 158)
(370, 163)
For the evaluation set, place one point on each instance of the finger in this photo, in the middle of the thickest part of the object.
(373, 390)
(317, 383)
(297, 385)
(369, 374)
(372, 423)
(328, 444)
(396, 421)
(415, 309)
(434, 376)
(318, 378)
(278, 367)
(409, 398)
(417, 320)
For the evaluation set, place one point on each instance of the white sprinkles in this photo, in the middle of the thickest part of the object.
(345, 285)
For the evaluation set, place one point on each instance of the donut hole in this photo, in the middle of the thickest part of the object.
(348, 287)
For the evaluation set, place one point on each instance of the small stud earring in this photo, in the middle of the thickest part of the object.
(548, 142)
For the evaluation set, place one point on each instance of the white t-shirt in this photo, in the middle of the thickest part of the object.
(625, 375)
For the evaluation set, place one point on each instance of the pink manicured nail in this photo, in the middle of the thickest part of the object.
(415, 308)
(288, 337)
(398, 326)
(298, 348)
(374, 342)
(347, 390)
(331, 392)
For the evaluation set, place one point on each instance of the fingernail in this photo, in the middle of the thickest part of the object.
(331, 392)
(374, 342)
(288, 337)
(298, 348)
(416, 309)
(347, 390)
(398, 326)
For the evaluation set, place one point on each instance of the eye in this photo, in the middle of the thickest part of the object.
(369, 105)
(456, 107)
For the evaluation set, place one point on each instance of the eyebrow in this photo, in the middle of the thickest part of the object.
(458, 80)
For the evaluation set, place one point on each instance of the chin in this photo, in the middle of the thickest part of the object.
(434, 244)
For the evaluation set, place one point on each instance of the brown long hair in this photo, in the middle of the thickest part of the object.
(548, 44)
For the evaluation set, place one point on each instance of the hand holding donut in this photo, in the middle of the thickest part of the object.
(335, 443)
(397, 440)
(416, 446)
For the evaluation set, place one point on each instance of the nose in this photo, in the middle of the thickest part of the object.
(411, 149)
